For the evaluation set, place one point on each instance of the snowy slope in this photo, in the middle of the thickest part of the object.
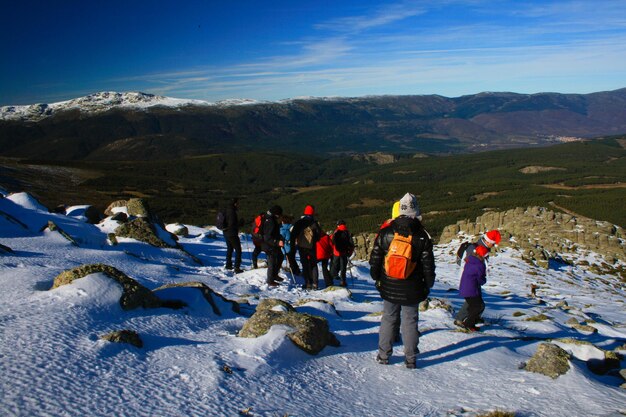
(193, 364)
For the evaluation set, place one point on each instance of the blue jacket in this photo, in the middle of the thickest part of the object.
(473, 277)
(286, 234)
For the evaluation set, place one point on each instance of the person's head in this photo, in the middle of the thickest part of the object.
(481, 251)
(309, 210)
(491, 238)
(341, 222)
(409, 207)
(286, 219)
(276, 210)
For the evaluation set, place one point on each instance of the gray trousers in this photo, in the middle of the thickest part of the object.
(396, 316)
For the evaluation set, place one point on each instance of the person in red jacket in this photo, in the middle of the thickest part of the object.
(324, 251)
(343, 246)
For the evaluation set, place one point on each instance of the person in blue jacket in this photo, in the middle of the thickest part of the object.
(285, 232)
(473, 278)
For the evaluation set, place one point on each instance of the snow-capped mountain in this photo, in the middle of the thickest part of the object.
(105, 101)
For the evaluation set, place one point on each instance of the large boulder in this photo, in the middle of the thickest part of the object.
(550, 360)
(142, 230)
(134, 295)
(311, 333)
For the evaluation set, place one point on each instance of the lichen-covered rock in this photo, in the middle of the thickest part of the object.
(550, 360)
(585, 328)
(124, 336)
(134, 295)
(311, 333)
(209, 295)
(141, 229)
(542, 235)
(138, 207)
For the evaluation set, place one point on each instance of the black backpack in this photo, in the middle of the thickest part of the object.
(220, 220)
(342, 241)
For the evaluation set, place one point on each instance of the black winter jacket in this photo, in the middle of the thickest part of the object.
(416, 287)
(271, 233)
(232, 221)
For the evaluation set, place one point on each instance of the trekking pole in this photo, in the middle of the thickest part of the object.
(245, 238)
(293, 279)
(350, 266)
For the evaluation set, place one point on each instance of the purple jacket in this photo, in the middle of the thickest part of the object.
(474, 275)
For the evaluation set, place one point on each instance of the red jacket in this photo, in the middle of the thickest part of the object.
(324, 247)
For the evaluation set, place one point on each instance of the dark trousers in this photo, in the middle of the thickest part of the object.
(471, 310)
(255, 255)
(328, 279)
(233, 243)
(274, 261)
(291, 258)
(308, 259)
(338, 267)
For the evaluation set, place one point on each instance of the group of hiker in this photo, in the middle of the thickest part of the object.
(401, 262)
(279, 237)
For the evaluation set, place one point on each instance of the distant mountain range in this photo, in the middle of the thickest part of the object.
(138, 126)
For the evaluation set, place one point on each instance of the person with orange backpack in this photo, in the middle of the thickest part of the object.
(324, 251)
(403, 265)
(343, 246)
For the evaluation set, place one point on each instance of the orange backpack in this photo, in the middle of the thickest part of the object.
(399, 262)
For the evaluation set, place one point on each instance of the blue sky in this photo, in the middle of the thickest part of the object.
(214, 50)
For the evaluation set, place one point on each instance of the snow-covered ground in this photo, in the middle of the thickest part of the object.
(52, 362)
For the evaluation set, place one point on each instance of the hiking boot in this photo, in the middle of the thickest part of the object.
(381, 360)
(229, 267)
(314, 287)
(272, 284)
(278, 279)
(459, 324)
(410, 365)
(343, 283)
(238, 270)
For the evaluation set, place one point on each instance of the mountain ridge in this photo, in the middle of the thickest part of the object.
(138, 126)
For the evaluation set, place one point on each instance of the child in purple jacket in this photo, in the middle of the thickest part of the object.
(473, 277)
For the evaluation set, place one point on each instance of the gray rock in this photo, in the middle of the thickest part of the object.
(311, 333)
(124, 336)
(549, 360)
(134, 295)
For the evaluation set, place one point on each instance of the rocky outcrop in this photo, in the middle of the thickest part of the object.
(550, 360)
(543, 235)
(134, 295)
(137, 207)
(363, 244)
(311, 333)
(142, 230)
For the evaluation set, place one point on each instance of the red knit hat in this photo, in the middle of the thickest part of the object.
(492, 237)
(309, 210)
(481, 251)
